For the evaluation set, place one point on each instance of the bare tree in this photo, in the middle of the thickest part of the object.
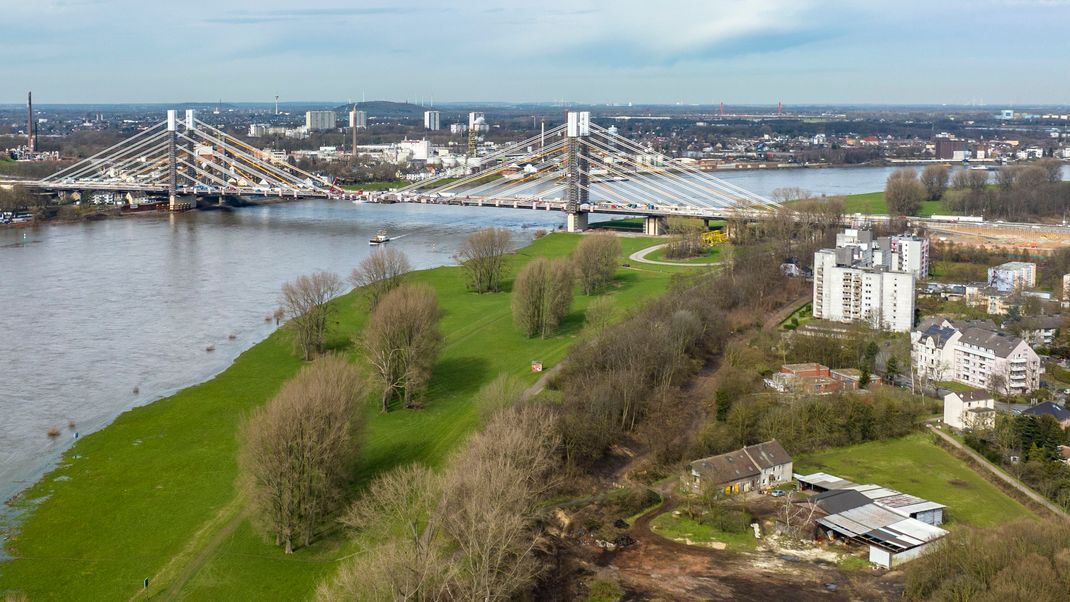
(306, 302)
(595, 259)
(542, 295)
(492, 496)
(402, 341)
(298, 451)
(934, 178)
(482, 254)
(380, 272)
(468, 533)
(903, 193)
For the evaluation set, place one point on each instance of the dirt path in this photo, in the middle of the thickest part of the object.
(782, 314)
(979, 461)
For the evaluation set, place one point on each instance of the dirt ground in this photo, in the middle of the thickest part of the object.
(1040, 240)
(656, 568)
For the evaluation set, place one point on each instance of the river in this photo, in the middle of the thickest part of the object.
(100, 317)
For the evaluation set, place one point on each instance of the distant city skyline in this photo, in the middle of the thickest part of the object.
(960, 52)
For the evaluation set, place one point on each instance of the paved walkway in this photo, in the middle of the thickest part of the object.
(641, 254)
(1006, 478)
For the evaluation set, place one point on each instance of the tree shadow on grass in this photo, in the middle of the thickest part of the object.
(458, 376)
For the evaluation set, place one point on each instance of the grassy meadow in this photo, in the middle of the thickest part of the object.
(153, 495)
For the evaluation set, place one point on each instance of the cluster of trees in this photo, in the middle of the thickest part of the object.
(904, 192)
(542, 292)
(811, 423)
(542, 295)
(1023, 560)
(468, 532)
(1033, 441)
(19, 198)
(685, 238)
(298, 451)
(615, 380)
(1021, 192)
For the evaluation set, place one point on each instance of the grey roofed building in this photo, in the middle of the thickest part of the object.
(753, 467)
(839, 500)
(975, 395)
(1047, 408)
(1000, 343)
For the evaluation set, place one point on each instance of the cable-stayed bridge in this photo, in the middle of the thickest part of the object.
(578, 168)
(582, 168)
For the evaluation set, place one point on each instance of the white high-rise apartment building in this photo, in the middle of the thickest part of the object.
(844, 292)
(358, 119)
(432, 120)
(320, 120)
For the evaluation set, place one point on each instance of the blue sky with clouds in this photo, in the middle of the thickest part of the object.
(704, 51)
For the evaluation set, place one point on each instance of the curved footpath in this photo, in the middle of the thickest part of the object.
(641, 254)
(986, 465)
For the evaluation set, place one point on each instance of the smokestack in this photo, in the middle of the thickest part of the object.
(276, 104)
(722, 108)
(779, 108)
(29, 122)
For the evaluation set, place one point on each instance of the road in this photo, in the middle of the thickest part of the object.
(640, 257)
(984, 464)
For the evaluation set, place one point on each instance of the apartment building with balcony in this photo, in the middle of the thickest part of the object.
(975, 353)
(848, 289)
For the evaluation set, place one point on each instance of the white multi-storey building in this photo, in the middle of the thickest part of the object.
(846, 291)
(432, 120)
(358, 119)
(320, 120)
(903, 254)
(1013, 276)
(975, 353)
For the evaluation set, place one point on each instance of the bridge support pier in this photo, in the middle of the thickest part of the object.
(577, 222)
(177, 203)
(653, 225)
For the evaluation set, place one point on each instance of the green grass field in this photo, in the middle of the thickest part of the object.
(153, 496)
(873, 203)
(712, 256)
(682, 527)
(917, 466)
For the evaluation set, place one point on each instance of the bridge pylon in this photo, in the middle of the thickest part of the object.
(577, 169)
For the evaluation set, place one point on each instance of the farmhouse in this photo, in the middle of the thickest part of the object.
(752, 468)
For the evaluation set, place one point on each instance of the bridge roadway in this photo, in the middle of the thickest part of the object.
(650, 211)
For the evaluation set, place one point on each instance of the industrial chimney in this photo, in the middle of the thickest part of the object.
(29, 122)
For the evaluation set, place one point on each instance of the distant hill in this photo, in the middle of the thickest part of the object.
(385, 109)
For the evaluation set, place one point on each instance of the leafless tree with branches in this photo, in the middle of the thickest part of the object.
(542, 295)
(306, 302)
(380, 272)
(298, 451)
(402, 341)
(595, 259)
(482, 254)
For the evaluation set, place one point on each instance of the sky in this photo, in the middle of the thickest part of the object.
(995, 52)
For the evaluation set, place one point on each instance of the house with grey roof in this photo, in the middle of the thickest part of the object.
(1048, 408)
(753, 468)
(975, 353)
(968, 410)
